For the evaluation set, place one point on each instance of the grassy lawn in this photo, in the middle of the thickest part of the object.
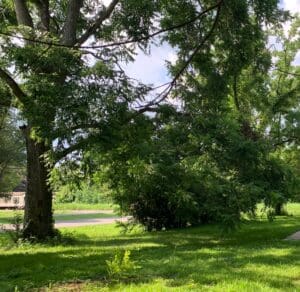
(83, 216)
(62, 212)
(7, 216)
(81, 206)
(253, 258)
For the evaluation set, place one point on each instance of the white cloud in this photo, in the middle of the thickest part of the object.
(151, 68)
(106, 2)
(292, 5)
(172, 57)
(296, 62)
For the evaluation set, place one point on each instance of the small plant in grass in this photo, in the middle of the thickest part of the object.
(121, 266)
(129, 227)
(16, 233)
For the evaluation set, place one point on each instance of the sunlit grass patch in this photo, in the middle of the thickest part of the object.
(253, 258)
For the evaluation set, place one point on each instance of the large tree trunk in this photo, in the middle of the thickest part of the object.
(38, 218)
(279, 209)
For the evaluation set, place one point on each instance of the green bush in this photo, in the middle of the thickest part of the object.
(83, 194)
(180, 177)
(165, 196)
(121, 266)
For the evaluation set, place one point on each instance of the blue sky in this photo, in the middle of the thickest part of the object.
(152, 69)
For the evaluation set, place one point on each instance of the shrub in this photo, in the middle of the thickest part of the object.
(192, 171)
(83, 194)
(121, 266)
(165, 197)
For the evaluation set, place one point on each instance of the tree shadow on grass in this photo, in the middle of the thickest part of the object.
(255, 253)
(38, 269)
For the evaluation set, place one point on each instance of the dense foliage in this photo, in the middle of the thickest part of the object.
(180, 177)
(71, 95)
(12, 153)
(85, 193)
(214, 156)
(204, 149)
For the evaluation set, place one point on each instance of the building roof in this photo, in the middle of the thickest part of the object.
(21, 187)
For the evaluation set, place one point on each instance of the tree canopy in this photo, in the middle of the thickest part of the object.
(12, 151)
(206, 158)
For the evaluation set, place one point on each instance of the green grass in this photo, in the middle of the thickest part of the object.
(81, 206)
(253, 258)
(7, 216)
(62, 217)
(65, 208)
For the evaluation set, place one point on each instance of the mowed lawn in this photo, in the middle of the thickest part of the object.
(81, 206)
(66, 211)
(253, 258)
(8, 216)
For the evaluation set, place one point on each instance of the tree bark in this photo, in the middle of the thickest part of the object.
(70, 27)
(43, 8)
(38, 217)
(279, 209)
(22, 13)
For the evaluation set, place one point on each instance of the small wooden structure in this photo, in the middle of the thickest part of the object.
(15, 200)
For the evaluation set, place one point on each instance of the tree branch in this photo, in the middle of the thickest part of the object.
(118, 43)
(161, 97)
(70, 27)
(85, 126)
(102, 15)
(158, 32)
(235, 92)
(59, 155)
(15, 88)
(288, 73)
(23, 16)
(286, 141)
(43, 8)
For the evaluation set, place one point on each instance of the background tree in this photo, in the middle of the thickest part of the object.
(283, 113)
(12, 156)
(237, 81)
(209, 159)
(64, 96)
(12, 150)
(61, 62)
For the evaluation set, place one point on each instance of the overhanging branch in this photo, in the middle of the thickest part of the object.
(23, 16)
(58, 133)
(13, 85)
(117, 43)
(162, 96)
(100, 18)
(70, 27)
(59, 155)
(44, 14)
